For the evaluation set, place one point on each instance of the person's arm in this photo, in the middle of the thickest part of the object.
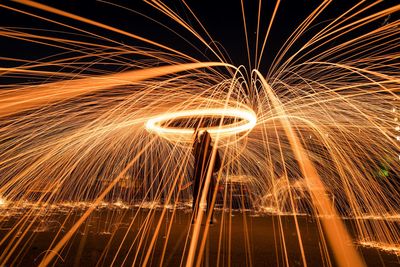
(195, 143)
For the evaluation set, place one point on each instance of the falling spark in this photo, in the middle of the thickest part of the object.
(313, 136)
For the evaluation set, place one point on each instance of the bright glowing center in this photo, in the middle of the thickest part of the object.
(247, 120)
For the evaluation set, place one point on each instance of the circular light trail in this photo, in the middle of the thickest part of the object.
(248, 120)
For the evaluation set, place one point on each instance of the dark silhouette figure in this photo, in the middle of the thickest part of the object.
(202, 150)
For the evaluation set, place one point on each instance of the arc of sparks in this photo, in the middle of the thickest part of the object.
(30, 97)
(248, 121)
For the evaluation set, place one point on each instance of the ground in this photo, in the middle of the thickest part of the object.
(98, 241)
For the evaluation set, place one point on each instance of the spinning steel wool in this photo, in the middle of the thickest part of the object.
(102, 129)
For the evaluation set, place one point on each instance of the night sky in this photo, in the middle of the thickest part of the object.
(223, 20)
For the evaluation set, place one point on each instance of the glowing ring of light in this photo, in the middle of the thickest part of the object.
(250, 118)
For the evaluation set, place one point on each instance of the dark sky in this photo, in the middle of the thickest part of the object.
(223, 20)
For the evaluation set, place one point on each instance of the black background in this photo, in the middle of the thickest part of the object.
(222, 19)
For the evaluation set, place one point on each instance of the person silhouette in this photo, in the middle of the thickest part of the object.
(202, 151)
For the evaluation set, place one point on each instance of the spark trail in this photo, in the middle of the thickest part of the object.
(105, 124)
